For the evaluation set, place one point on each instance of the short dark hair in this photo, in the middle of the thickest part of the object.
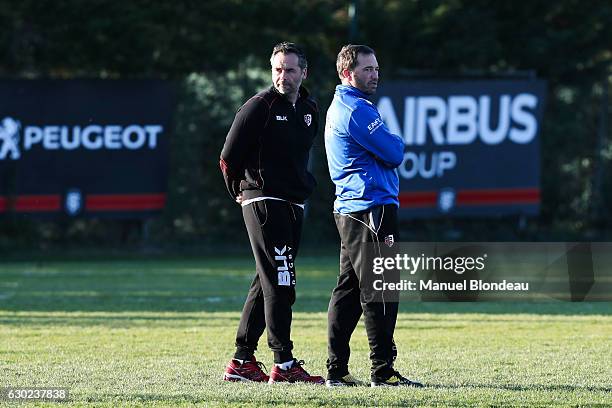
(290, 48)
(347, 57)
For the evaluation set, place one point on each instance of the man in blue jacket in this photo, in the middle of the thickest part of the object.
(362, 156)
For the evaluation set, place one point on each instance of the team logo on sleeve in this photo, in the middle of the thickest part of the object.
(375, 125)
(308, 119)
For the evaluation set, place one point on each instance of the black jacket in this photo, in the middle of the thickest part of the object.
(266, 150)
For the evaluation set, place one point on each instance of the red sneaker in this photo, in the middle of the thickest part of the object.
(294, 374)
(247, 371)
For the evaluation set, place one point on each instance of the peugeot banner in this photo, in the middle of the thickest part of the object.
(472, 146)
(84, 147)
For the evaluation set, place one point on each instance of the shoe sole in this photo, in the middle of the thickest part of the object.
(373, 384)
(295, 382)
(340, 384)
(382, 385)
(237, 378)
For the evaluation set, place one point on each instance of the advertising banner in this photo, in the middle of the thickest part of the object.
(472, 146)
(84, 147)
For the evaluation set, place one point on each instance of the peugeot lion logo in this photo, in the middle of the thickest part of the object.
(9, 138)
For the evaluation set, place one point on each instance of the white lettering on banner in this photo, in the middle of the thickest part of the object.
(111, 137)
(387, 113)
(127, 137)
(153, 131)
(32, 135)
(51, 138)
(417, 164)
(92, 137)
(66, 142)
(487, 135)
(435, 122)
(90, 143)
(524, 118)
(461, 119)
(409, 124)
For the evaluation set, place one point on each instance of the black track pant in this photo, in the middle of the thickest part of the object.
(354, 295)
(274, 229)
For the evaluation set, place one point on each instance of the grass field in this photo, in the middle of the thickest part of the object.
(159, 332)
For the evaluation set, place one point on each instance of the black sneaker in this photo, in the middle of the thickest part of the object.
(346, 381)
(395, 380)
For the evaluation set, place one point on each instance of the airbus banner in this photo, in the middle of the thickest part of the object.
(472, 146)
(84, 147)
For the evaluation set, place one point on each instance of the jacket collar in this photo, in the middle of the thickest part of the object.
(350, 90)
(303, 93)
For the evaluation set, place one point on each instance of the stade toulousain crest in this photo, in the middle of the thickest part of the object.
(308, 119)
(389, 240)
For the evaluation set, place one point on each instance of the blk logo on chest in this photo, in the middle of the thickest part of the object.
(282, 118)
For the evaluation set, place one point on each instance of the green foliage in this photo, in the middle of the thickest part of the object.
(565, 42)
(217, 52)
(198, 204)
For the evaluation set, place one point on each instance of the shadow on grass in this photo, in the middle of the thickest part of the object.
(115, 320)
(338, 397)
(532, 387)
(131, 319)
(175, 399)
(188, 302)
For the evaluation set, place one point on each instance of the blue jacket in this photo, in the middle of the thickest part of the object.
(362, 154)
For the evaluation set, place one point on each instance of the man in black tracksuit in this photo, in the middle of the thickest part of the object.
(363, 156)
(264, 163)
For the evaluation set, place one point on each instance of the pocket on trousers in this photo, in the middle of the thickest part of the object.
(260, 211)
